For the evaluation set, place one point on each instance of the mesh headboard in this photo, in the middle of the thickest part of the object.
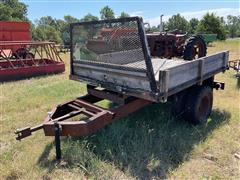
(118, 43)
(111, 42)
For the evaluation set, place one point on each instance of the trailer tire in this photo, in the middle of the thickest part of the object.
(199, 104)
(178, 104)
(194, 46)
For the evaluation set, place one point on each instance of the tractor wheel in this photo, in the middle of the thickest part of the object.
(20, 53)
(23, 53)
(29, 56)
(199, 104)
(195, 47)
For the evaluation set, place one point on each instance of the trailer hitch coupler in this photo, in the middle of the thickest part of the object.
(22, 133)
(27, 131)
(218, 85)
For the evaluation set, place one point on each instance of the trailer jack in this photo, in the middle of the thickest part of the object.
(55, 123)
(58, 141)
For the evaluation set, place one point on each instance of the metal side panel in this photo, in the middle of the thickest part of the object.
(182, 76)
(121, 80)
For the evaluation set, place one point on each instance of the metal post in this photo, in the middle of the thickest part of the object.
(57, 141)
(161, 28)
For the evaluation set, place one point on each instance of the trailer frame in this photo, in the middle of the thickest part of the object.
(130, 87)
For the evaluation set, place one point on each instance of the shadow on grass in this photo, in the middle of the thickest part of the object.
(146, 144)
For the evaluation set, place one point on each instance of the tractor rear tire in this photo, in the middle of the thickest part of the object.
(199, 104)
(29, 56)
(194, 46)
(23, 53)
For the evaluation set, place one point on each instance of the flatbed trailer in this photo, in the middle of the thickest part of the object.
(125, 73)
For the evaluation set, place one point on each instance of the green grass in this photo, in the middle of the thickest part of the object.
(148, 144)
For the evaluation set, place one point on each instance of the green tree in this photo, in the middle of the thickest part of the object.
(154, 29)
(47, 21)
(123, 15)
(13, 10)
(107, 13)
(211, 24)
(60, 25)
(47, 33)
(177, 22)
(65, 30)
(48, 29)
(193, 23)
(70, 19)
(233, 26)
(89, 17)
(5, 12)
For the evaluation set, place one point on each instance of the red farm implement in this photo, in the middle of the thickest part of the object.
(15, 31)
(32, 59)
(20, 57)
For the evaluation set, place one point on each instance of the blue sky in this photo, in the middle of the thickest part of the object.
(149, 10)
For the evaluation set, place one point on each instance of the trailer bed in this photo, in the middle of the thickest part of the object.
(121, 61)
(160, 64)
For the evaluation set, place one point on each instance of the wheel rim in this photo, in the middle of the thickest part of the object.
(204, 106)
(29, 56)
(198, 50)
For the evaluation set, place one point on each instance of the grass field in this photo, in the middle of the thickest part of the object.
(148, 144)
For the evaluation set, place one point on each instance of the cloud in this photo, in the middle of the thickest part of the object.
(222, 12)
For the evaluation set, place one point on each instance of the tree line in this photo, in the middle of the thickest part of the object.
(57, 30)
(209, 24)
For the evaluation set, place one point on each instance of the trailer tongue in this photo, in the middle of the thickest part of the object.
(97, 117)
(129, 76)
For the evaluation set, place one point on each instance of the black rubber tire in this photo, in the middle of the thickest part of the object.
(178, 104)
(20, 53)
(188, 53)
(199, 104)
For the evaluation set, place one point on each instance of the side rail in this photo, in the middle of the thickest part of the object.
(178, 78)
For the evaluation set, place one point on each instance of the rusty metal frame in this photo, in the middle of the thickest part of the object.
(98, 117)
(44, 59)
(48, 47)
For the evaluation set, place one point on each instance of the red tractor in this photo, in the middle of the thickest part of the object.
(161, 44)
(176, 44)
(110, 39)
